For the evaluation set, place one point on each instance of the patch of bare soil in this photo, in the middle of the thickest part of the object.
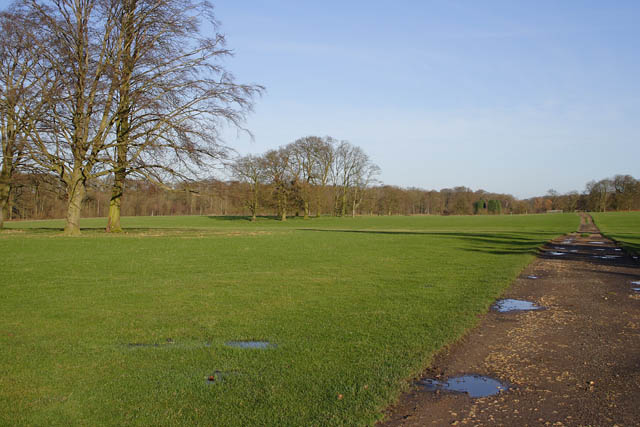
(577, 363)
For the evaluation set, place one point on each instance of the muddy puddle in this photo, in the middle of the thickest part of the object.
(250, 344)
(555, 253)
(532, 277)
(473, 385)
(508, 305)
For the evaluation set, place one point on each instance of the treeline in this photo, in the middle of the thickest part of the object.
(111, 107)
(39, 197)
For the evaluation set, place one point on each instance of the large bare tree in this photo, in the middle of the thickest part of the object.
(81, 54)
(173, 94)
(21, 84)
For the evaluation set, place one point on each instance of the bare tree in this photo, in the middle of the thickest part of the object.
(364, 175)
(81, 56)
(598, 194)
(623, 187)
(21, 81)
(352, 171)
(173, 94)
(310, 165)
(277, 173)
(250, 169)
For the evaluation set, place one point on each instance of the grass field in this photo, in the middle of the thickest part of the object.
(623, 227)
(124, 329)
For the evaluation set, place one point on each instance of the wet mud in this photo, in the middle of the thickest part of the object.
(574, 364)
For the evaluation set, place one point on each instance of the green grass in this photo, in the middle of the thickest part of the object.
(356, 307)
(623, 227)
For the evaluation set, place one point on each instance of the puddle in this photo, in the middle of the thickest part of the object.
(574, 251)
(600, 249)
(250, 344)
(617, 249)
(596, 243)
(607, 256)
(637, 283)
(532, 277)
(636, 290)
(567, 242)
(473, 385)
(507, 305)
(554, 253)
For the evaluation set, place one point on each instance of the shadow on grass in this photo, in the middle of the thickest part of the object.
(511, 235)
(235, 218)
(259, 218)
(496, 244)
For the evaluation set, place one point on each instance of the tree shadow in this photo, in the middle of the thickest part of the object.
(496, 243)
(247, 218)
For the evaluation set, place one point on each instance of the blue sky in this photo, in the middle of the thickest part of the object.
(506, 96)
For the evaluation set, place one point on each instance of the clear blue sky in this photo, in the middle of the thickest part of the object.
(506, 96)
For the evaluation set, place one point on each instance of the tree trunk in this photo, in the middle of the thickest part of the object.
(113, 222)
(5, 191)
(306, 209)
(6, 171)
(123, 124)
(75, 194)
(283, 209)
(254, 207)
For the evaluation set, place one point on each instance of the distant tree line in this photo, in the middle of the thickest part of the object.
(41, 196)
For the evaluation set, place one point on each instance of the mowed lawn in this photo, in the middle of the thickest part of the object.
(125, 329)
(621, 226)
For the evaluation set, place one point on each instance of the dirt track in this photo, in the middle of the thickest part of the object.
(576, 363)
